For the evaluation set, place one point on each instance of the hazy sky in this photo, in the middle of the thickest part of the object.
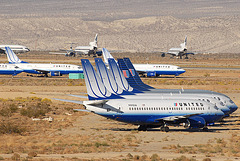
(118, 9)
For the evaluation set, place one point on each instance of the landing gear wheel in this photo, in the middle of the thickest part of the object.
(205, 129)
(165, 129)
(142, 128)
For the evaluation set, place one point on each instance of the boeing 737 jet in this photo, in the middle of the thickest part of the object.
(39, 68)
(135, 83)
(15, 48)
(179, 52)
(150, 70)
(89, 50)
(111, 85)
(146, 112)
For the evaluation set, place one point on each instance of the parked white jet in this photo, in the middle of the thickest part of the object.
(150, 70)
(89, 50)
(179, 52)
(39, 68)
(15, 48)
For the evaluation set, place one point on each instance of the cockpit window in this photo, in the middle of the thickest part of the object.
(231, 101)
(221, 103)
(216, 107)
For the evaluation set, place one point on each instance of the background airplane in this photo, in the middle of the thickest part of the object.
(92, 49)
(89, 50)
(39, 68)
(150, 70)
(15, 48)
(179, 52)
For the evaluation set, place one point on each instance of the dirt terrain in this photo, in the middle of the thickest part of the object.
(80, 135)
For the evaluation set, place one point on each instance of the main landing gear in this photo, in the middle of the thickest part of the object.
(142, 128)
(164, 128)
(205, 129)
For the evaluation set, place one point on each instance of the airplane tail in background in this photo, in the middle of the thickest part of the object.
(135, 74)
(106, 55)
(108, 79)
(129, 76)
(184, 44)
(94, 43)
(12, 57)
(95, 87)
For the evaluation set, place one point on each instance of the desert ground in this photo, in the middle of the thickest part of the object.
(86, 136)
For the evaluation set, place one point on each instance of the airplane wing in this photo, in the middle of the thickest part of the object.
(56, 53)
(163, 54)
(190, 53)
(79, 96)
(175, 118)
(42, 71)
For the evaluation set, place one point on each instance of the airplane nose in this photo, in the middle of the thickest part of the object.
(219, 115)
(233, 108)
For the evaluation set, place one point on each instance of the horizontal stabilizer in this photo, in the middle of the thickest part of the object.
(79, 96)
(72, 101)
(81, 110)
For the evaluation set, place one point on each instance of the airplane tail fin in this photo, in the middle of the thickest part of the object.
(106, 55)
(119, 77)
(129, 76)
(12, 57)
(108, 79)
(135, 74)
(184, 44)
(95, 87)
(94, 43)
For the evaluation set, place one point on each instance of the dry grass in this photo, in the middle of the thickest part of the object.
(70, 133)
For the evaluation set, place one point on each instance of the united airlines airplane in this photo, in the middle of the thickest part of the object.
(111, 85)
(9, 69)
(15, 48)
(39, 68)
(146, 112)
(128, 80)
(150, 70)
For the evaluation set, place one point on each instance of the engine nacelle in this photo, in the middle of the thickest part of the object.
(196, 122)
(99, 53)
(151, 74)
(55, 73)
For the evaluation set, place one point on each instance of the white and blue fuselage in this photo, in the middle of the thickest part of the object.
(53, 69)
(158, 69)
(9, 69)
(155, 112)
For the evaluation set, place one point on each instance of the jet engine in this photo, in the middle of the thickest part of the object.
(196, 122)
(151, 74)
